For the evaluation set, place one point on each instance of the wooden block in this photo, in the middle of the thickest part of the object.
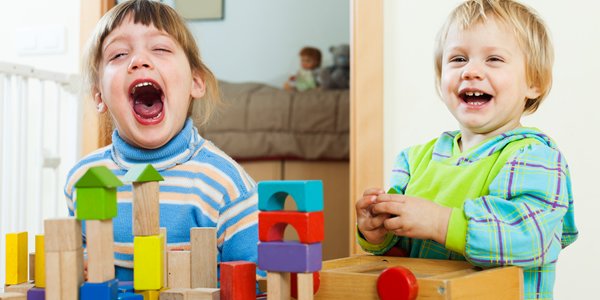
(36, 293)
(20, 288)
(13, 296)
(289, 257)
(305, 286)
(203, 294)
(100, 250)
(308, 194)
(64, 274)
(179, 266)
(238, 280)
(309, 225)
(32, 265)
(62, 234)
(40, 261)
(163, 231)
(204, 257)
(148, 262)
(96, 194)
(100, 291)
(146, 217)
(16, 258)
(174, 294)
(316, 283)
(278, 285)
(397, 283)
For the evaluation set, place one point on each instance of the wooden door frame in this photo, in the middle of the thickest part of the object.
(92, 135)
(366, 103)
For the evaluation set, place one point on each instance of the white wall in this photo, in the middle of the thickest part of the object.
(33, 204)
(37, 15)
(259, 40)
(414, 113)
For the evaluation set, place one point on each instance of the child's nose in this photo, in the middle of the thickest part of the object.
(139, 61)
(472, 71)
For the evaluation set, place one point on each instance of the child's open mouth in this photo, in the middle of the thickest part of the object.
(475, 98)
(147, 101)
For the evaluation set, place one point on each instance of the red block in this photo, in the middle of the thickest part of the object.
(309, 225)
(238, 280)
(397, 283)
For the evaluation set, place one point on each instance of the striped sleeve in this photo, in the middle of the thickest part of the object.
(520, 222)
(398, 182)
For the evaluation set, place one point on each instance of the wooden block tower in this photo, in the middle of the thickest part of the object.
(64, 258)
(97, 206)
(148, 242)
(280, 258)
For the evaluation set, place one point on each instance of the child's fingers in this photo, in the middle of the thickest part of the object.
(388, 207)
(373, 191)
(390, 198)
(365, 202)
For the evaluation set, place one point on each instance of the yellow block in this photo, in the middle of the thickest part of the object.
(148, 258)
(151, 295)
(16, 258)
(40, 262)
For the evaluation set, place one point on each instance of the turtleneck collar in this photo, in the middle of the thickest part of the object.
(177, 151)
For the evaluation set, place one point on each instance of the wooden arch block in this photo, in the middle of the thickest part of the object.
(309, 225)
(308, 194)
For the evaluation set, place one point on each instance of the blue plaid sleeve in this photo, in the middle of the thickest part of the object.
(527, 217)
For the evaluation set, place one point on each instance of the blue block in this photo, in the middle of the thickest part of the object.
(125, 286)
(308, 194)
(36, 294)
(107, 290)
(130, 296)
(290, 256)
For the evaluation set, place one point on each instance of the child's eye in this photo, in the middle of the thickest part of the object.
(162, 50)
(495, 59)
(457, 59)
(117, 55)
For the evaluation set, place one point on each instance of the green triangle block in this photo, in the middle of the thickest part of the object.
(99, 176)
(142, 173)
(96, 194)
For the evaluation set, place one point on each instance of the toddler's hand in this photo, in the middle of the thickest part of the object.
(414, 217)
(369, 223)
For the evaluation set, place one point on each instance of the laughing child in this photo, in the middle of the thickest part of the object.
(493, 193)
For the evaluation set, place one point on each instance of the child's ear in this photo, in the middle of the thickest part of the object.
(198, 86)
(533, 92)
(100, 106)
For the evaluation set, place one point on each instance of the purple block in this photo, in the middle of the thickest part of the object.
(290, 256)
(36, 294)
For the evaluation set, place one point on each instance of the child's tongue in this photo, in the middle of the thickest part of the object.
(148, 107)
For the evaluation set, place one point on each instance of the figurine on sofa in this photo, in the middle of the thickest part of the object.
(306, 78)
(337, 76)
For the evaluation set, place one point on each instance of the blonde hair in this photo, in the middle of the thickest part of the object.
(164, 18)
(529, 29)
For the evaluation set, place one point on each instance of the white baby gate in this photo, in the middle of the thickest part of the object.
(39, 130)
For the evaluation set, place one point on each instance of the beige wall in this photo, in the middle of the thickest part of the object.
(414, 113)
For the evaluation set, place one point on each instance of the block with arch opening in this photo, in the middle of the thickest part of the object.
(308, 225)
(308, 194)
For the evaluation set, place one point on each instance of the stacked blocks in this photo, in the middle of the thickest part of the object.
(278, 257)
(148, 242)
(97, 205)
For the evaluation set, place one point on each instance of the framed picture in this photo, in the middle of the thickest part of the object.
(199, 9)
